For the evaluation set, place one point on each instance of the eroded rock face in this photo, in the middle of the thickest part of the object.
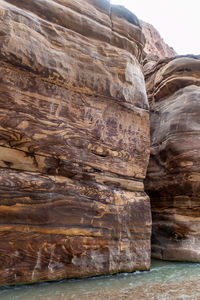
(154, 43)
(173, 180)
(74, 145)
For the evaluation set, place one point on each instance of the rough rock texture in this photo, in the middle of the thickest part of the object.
(74, 141)
(154, 42)
(173, 180)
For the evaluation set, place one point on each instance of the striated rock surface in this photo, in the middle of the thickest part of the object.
(173, 180)
(74, 141)
(154, 43)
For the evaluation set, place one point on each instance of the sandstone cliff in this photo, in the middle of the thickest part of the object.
(173, 179)
(154, 42)
(74, 147)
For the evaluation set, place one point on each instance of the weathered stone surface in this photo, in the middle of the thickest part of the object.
(154, 43)
(74, 141)
(173, 180)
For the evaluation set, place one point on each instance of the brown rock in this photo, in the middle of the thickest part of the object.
(74, 146)
(155, 45)
(173, 180)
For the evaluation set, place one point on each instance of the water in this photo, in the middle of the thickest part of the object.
(165, 280)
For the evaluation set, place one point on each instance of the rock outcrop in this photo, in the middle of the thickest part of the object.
(173, 180)
(74, 146)
(154, 42)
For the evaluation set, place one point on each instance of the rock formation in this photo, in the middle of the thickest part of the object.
(74, 146)
(173, 180)
(154, 42)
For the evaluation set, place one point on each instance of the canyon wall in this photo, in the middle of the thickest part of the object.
(74, 141)
(173, 178)
(154, 43)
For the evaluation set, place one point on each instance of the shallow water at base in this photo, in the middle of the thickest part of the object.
(165, 280)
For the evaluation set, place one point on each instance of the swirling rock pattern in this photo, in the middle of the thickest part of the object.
(173, 180)
(74, 141)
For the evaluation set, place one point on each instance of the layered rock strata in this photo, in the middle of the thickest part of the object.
(173, 179)
(74, 141)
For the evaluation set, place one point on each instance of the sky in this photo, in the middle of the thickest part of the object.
(178, 21)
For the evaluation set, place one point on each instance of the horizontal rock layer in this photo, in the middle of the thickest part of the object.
(74, 141)
(173, 180)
